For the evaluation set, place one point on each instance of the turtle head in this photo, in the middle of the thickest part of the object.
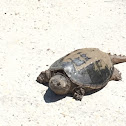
(60, 84)
(44, 77)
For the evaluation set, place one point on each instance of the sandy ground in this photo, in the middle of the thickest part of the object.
(33, 34)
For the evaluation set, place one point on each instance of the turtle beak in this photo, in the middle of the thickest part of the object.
(42, 78)
(39, 79)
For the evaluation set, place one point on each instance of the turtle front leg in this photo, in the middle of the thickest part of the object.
(116, 75)
(78, 93)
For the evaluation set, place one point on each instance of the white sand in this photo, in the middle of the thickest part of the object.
(34, 34)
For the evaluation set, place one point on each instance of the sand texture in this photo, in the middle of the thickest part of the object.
(35, 33)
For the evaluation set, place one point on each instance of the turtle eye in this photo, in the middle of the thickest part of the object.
(42, 77)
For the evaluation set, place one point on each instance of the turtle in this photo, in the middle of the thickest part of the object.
(81, 71)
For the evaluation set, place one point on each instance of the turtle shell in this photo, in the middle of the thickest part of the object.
(89, 67)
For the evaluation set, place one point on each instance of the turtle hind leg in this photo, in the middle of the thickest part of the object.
(116, 75)
(117, 59)
(78, 93)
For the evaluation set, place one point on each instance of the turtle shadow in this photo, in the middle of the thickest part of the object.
(50, 96)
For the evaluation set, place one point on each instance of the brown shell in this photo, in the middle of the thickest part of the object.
(89, 67)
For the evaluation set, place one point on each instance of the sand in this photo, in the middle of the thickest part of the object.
(33, 34)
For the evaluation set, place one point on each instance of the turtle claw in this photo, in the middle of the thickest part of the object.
(78, 93)
(77, 96)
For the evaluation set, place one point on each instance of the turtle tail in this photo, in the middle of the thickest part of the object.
(116, 59)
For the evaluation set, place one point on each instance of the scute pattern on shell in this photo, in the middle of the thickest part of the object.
(89, 67)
